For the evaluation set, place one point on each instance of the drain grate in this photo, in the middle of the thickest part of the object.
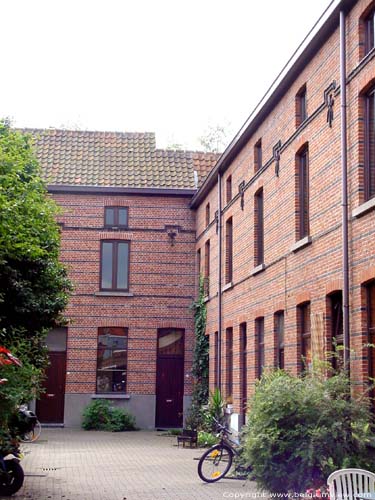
(50, 469)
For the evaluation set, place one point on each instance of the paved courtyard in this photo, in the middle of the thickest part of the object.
(70, 464)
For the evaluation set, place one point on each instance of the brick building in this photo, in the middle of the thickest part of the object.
(283, 281)
(128, 240)
(282, 228)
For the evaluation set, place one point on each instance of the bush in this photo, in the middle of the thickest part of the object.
(19, 384)
(206, 439)
(214, 411)
(174, 432)
(301, 429)
(100, 416)
(195, 417)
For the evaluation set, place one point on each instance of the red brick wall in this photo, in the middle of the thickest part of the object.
(162, 281)
(310, 273)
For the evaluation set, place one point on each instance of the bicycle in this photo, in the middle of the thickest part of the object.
(216, 462)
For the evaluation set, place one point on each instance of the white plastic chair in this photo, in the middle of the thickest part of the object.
(345, 484)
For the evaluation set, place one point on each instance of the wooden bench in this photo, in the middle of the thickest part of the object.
(188, 436)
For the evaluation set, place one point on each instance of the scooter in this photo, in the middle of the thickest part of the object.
(27, 425)
(11, 473)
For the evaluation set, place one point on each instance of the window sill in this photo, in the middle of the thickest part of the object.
(227, 286)
(114, 294)
(364, 208)
(304, 242)
(258, 269)
(110, 396)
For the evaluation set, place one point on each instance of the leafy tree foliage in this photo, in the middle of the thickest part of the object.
(215, 138)
(34, 287)
(300, 429)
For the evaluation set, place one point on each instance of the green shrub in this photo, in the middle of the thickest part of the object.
(175, 432)
(214, 411)
(195, 417)
(301, 429)
(99, 415)
(171, 432)
(120, 420)
(206, 439)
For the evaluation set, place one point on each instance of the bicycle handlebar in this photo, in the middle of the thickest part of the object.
(222, 427)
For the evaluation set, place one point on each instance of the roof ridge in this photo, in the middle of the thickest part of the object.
(191, 151)
(56, 129)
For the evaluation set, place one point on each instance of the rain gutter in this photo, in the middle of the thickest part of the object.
(220, 293)
(344, 178)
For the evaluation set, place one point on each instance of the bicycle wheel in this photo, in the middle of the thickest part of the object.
(215, 463)
(33, 435)
(11, 480)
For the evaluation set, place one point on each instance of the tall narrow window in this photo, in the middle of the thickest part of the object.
(369, 32)
(301, 106)
(302, 198)
(207, 268)
(337, 330)
(259, 335)
(229, 250)
(112, 360)
(370, 310)
(216, 358)
(304, 333)
(229, 363)
(243, 368)
(258, 156)
(369, 178)
(229, 188)
(207, 214)
(259, 228)
(116, 217)
(199, 263)
(114, 265)
(279, 339)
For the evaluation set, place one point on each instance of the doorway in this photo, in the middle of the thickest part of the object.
(50, 406)
(170, 378)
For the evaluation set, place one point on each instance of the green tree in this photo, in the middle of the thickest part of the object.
(215, 138)
(34, 288)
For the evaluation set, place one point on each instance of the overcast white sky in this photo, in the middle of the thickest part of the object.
(172, 67)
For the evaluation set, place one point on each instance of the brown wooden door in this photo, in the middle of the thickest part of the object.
(50, 407)
(170, 379)
(169, 392)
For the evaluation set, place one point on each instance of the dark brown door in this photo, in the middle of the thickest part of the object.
(50, 407)
(170, 378)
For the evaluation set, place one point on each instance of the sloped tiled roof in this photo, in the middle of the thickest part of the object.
(116, 159)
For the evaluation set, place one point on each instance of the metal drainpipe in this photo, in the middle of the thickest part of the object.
(344, 173)
(219, 283)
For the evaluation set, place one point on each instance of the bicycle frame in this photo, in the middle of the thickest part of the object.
(224, 440)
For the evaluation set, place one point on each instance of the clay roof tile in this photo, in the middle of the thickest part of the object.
(116, 159)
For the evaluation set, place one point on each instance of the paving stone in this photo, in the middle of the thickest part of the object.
(71, 464)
